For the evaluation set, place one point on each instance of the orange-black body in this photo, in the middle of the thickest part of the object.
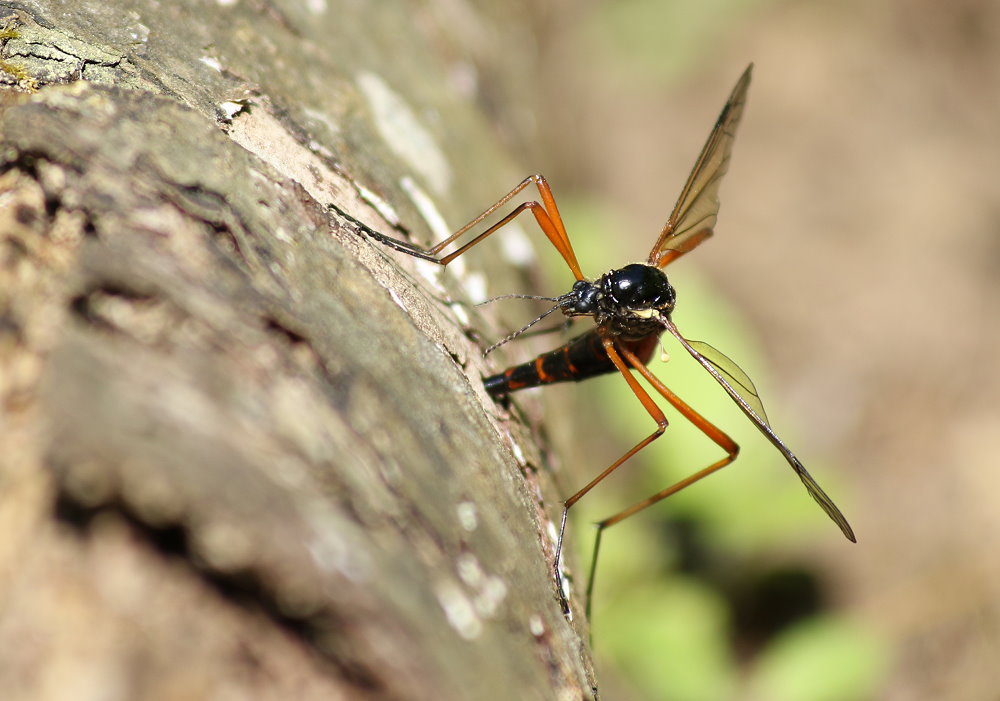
(578, 359)
(626, 305)
(631, 308)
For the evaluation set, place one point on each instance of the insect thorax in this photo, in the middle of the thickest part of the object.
(626, 302)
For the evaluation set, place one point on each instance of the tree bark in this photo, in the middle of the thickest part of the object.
(245, 449)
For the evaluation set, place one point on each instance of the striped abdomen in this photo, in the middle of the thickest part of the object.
(576, 360)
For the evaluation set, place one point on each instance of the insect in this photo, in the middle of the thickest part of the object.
(631, 308)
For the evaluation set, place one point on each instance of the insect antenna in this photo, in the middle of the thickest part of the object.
(561, 301)
(512, 336)
(517, 296)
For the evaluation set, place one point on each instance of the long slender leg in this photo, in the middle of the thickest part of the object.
(703, 424)
(546, 214)
(661, 425)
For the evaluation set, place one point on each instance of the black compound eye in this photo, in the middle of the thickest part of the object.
(639, 286)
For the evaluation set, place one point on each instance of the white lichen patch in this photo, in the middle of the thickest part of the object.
(458, 609)
(468, 516)
(384, 209)
(474, 284)
(332, 554)
(550, 529)
(281, 234)
(567, 592)
(469, 570)
(515, 246)
(139, 32)
(403, 133)
(230, 109)
(212, 63)
(492, 593)
(459, 311)
(489, 590)
(518, 453)
(397, 299)
(425, 205)
(431, 273)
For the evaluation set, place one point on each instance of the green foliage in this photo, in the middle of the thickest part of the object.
(825, 659)
(670, 635)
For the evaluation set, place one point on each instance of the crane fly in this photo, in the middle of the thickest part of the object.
(631, 308)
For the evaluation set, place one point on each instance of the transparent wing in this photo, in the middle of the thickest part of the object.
(741, 389)
(738, 380)
(694, 215)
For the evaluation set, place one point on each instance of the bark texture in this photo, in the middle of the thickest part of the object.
(246, 451)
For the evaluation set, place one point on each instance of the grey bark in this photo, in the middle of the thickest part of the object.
(245, 450)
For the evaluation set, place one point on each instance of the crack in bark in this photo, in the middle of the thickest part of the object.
(245, 588)
(46, 56)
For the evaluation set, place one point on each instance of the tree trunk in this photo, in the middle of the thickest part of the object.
(246, 451)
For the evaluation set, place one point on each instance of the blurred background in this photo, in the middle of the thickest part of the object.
(855, 275)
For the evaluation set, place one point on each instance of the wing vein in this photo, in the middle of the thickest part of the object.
(693, 217)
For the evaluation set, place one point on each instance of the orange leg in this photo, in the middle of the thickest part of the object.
(703, 424)
(546, 214)
(661, 425)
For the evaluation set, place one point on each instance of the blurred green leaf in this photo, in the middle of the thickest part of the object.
(825, 659)
(671, 637)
